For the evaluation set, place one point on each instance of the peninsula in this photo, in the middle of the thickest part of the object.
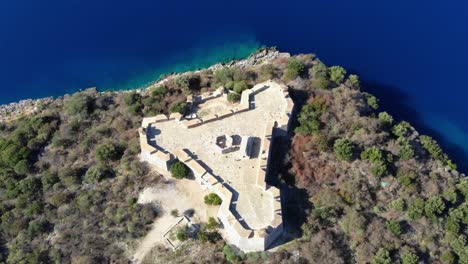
(271, 159)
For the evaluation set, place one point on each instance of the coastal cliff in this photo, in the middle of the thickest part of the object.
(357, 185)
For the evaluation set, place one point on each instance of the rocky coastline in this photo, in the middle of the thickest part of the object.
(15, 110)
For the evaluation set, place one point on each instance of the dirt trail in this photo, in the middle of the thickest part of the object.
(175, 195)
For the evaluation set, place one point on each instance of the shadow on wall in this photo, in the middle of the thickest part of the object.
(396, 102)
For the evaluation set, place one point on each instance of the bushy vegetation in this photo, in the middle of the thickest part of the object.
(395, 202)
(70, 171)
(233, 97)
(294, 68)
(70, 177)
(344, 149)
(179, 170)
(213, 199)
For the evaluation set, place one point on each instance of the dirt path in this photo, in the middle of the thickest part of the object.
(177, 195)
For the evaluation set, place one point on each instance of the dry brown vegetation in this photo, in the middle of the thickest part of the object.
(378, 192)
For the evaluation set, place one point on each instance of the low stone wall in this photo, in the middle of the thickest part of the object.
(160, 158)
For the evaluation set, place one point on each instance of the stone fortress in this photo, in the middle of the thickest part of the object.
(227, 147)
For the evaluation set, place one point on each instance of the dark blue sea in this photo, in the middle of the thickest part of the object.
(412, 54)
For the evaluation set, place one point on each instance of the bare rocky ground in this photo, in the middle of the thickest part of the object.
(180, 195)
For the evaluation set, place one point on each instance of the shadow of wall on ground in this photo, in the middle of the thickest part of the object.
(295, 201)
(396, 102)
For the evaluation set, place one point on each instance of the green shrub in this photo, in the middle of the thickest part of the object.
(353, 81)
(344, 149)
(401, 129)
(98, 173)
(107, 152)
(230, 85)
(462, 186)
(321, 83)
(382, 257)
(178, 107)
(212, 223)
(132, 98)
(385, 119)
(319, 70)
(447, 257)
(451, 196)
(372, 101)
(233, 97)
(309, 121)
(398, 204)
(213, 199)
(337, 74)
(159, 91)
(432, 147)
(179, 170)
(408, 257)
(294, 69)
(230, 255)
(416, 208)
(267, 71)
(239, 87)
(406, 149)
(394, 227)
(181, 234)
(79, 103)
(434, 206)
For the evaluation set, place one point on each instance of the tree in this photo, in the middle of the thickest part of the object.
(309, 121)
(432, 147)
(376, 157)
(462, 186)
(294, 69)
(79, 103)
(447, 257)
(372, 101)
(344, 149)
(179, 170)
(267, 71)
(213, 199)
(181, 233)
(406, 149)
(178, 107)
(22, 167)
(434, 206)
(398, 204)
(394, 227)
(321, 83)
(416, 208)
(212, 223)
(97, 173)
(107, 152)
(230, 255)
(319, 70)
(401, 129)
(382, 257)
(233, 97)
(353, 81)
(408, 257)
(337, 74)
(385, 119)
(239, 87)
(133, 101)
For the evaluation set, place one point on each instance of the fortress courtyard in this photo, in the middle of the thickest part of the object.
(250, 203)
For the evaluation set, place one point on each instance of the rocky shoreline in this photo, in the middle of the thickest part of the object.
(28, 106)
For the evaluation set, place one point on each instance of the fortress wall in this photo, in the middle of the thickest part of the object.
(247, 240)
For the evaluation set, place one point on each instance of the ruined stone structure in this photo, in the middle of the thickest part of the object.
(238, 231)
